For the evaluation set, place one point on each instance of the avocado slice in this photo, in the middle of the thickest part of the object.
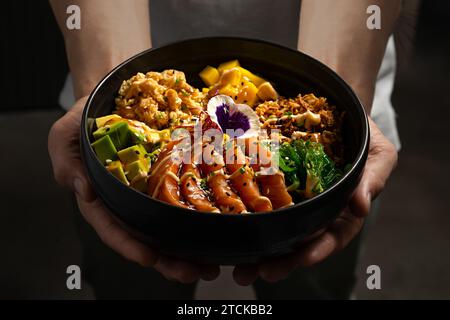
(105, 149)
(140, 184)
(164, 135)
(138, 167)
(116, 169)
(101, 121)
(132, 154)
(137, 137)
(120, 134)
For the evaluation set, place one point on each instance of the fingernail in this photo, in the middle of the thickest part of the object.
(78, 187)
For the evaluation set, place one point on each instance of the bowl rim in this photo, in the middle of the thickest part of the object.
(361, 154)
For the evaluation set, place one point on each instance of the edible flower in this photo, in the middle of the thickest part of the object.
(237, 120)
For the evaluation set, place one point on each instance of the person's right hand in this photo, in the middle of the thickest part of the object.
(64, 149)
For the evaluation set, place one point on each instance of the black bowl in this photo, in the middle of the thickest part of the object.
(224, 238)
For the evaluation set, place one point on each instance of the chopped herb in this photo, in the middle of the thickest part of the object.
(159, 115)
(242, 169)
(203, 184)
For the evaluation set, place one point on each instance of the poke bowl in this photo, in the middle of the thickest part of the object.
(148, 150)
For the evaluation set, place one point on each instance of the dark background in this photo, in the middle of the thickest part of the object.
(409, 239)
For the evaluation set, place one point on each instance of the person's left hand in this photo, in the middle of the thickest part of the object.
(381, 160)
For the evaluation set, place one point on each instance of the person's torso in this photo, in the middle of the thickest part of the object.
(270, 20)
(275, 21)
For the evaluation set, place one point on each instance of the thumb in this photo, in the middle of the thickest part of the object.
(64, 151)
(381, 160)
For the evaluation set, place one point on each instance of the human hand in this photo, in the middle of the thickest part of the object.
(64, 149)
(382, 159)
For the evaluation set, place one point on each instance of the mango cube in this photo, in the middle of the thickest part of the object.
(228, 65)
(230, 91)
(267, 92)
(209, 75)
(231, 76)
(247, 94)
(257, 81)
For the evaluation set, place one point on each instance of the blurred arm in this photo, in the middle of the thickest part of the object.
(111, 31)
(335, 32)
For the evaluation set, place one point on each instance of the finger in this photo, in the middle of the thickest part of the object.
(381, 160)
(114, 236)
(337, 237)
(179, 270)
(279, 268)
(245, 275)
(209, 272)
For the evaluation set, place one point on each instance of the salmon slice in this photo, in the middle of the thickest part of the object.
(163, 178)
(243, 180)
(272, 184)
(224, 197)
(192, 192)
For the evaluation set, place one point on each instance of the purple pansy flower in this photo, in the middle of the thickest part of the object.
(238, 119)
